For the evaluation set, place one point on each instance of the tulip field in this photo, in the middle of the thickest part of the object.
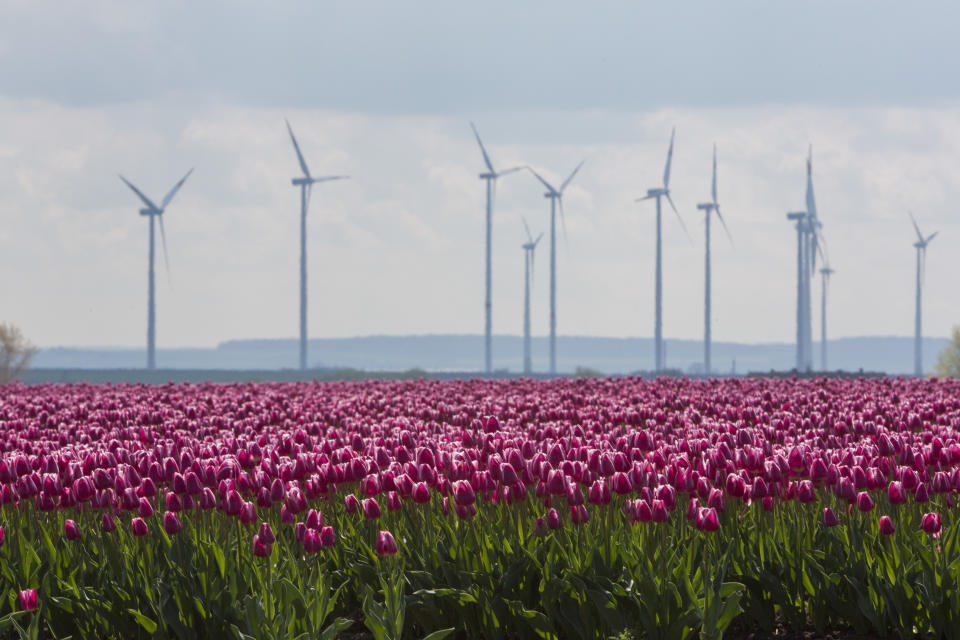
(568, 508)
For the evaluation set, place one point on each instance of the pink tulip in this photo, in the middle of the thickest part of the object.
(930, 523)
(107, 523)
(351, 503)
(864, 501)
(895, 493)
(830, 518)
(28, 599)
(553, 519)
(540, 527)
(463, 493)
(371, 509)
(421, 493)
(314, 519)
(708, 520)
(386, 544)
(393, 501)
(261, 548)
(171, 523)
(145, 509)
(660, 513)
(327, 537)
(71, 530)
(886, 526)
(579, 514)
(139, 527)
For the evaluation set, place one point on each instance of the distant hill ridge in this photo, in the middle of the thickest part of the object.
(453, 352)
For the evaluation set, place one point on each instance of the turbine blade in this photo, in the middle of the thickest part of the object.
(167, 198)
(329, 178)
(916, 226)
(723, 223)
(643, 198)
(931, 237)
(483, 150)
(682, 224)
(527, 227)
(713, 186)
(811, 201)
(537, 241)
(545, 183)
(666, 169)
(507, 172)
(163, 241)
(303, 163)
(570, 177)
(142, 197)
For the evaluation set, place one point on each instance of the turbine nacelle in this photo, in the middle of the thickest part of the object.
(654, 193)
(150, 212)
(706, 206)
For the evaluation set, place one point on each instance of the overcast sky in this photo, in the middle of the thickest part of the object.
(384, 91)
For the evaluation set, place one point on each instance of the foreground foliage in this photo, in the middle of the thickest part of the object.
(584, 508)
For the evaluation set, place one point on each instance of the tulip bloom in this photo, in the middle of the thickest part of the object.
(314, 519)
(107, 523)
(930, 523)
(351, 503)
(386, 544)
(708, 520)
(171, 523)
(145, 509)
(830, 518)
(886, 526)
(553, 519)
(864, 501)
(71, 530)
(579, 514)
(139, 527)
(660, 513)
(421, 493)
(327, 537)
(371, 509)
(463, 493)
(28, 599)
(261, 548)
(393, 501)
(895, 493)
(540, 527)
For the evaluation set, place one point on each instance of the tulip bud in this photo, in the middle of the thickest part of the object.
(300, 531)
(579, 514)
(921, 494)
(463, 493)
(386, 544)
(642, 511)
(139, 527)
(806, 492)
(864, 501)
(314, 519)
(174, 502)
(171, 523)
(421, 493)
(886, 526)
(767, 503)
(930, 523)
(830, 518)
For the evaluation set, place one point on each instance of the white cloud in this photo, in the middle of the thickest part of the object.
(399, 247)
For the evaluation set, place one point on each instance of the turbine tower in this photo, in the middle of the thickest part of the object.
(305, 183)
(490, 176)
(556, 196)
(708, 208)
(825, 273)
(658, 193)
(154, 212)
(528, 252)
(921, 245)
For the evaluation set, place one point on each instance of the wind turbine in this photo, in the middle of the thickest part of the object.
(556, 196)
(825, 273)
(921, 245)
(490, 176)
(305, 183)
(659, 193)
(708, 208)
(154, 212)
(813, 247)
(528, 251)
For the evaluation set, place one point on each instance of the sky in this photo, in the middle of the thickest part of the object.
(385, 91)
